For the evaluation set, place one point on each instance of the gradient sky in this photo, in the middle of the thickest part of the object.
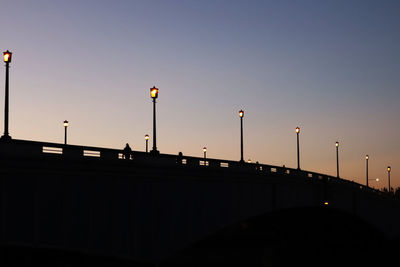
(329, 67)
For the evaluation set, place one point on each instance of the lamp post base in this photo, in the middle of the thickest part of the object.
(155, 152)
(5, 138)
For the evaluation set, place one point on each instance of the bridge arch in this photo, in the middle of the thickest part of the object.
(301, 235)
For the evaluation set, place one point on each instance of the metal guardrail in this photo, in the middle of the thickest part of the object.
(35, 148)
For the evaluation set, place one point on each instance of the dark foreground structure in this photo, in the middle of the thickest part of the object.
(63, 205)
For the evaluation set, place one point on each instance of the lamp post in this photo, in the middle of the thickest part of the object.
(298, 148)
(205, 155)
(65, 131)
(388, 170)
(366, 169)
(147, 137)
(241, 114)
(337, 159)
(7, 59)
(154, 95)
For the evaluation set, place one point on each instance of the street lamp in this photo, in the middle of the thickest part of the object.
(154, 95)
(7, 56)
(337, 159)
(241, 114)
(65, 131)
(205, 155)
(388, 170)
(366, 169)
(147, 137)
(298, 147)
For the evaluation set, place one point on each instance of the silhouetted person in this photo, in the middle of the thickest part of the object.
(180, 155)
(127, 151)
(258, 166)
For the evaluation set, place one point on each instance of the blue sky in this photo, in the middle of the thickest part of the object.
(330, 67)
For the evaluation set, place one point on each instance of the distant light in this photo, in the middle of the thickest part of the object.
(241, 113)
(65, 123)
(147, 137)
(326, 203)
(337, 144)
(249, 161)
(204, 149)
(388, 168)
(7, 56)
(366, 157)
(154, 92)
(377, 179)
(297, 130)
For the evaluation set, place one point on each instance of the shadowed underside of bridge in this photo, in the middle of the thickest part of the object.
(311, 236)
(81, 212)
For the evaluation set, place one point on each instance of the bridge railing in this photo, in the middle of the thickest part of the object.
(25, 148)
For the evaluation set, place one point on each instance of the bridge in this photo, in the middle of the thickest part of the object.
(67, 205)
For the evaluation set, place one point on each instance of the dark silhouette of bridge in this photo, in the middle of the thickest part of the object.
(66, 205)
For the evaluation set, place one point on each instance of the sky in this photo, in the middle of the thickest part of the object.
(328, 67)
